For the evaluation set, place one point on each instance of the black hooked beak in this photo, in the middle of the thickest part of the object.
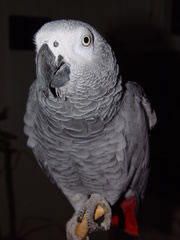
(51, 74)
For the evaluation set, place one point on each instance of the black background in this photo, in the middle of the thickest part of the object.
(156, 68)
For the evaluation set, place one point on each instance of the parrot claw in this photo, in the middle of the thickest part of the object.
(71, 228)
(91, 206)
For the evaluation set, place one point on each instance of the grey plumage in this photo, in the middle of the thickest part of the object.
(89, 134)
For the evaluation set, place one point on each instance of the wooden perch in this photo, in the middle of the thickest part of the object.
(82, 228)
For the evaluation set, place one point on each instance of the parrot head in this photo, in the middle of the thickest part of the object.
(73, 59)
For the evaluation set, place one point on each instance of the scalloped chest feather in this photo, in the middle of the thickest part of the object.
(85, 156)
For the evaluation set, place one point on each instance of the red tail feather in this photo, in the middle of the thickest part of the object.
(130, 222)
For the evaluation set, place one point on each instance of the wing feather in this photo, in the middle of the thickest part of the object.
(30, 115)
(140, 118)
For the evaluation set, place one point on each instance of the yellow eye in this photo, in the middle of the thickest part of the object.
(86, 41)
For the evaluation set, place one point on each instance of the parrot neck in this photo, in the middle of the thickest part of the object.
(87, 107)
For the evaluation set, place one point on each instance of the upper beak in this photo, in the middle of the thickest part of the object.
(51, 73)
(61, 73)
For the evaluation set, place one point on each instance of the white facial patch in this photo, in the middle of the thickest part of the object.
(67, 43)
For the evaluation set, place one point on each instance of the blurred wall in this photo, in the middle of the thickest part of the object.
(34, 195)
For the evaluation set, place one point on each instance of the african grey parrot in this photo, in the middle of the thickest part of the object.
(87, 129)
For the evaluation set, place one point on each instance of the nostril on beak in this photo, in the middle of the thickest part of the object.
(56, 44)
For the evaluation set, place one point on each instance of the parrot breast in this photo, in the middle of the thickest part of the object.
(80, 154)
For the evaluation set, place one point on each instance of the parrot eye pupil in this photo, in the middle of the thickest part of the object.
(86, 41)
(56, 44)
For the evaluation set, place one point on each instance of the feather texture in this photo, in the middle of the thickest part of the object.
(94, 137)
(92, 155)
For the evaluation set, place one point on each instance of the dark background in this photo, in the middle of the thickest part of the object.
(145, 37)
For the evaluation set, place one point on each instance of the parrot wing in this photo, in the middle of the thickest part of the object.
(29, 128)
(140, 118)
(30, 115)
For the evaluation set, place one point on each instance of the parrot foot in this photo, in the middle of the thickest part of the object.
(84, 221)
(80, 214)
(71, 228)
(104, 222)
